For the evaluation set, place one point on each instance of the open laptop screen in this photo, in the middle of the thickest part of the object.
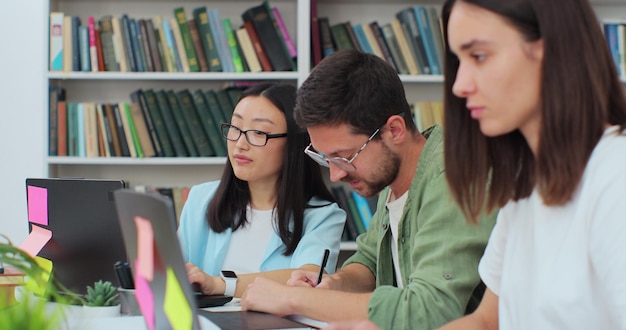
(86, 236)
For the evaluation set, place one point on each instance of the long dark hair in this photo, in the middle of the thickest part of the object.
(299, 180)
(580, 94)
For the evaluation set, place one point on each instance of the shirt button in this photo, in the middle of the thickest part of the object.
(448, 276)
(403, 239)
(385, 226)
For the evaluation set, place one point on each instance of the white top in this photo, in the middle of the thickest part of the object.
(565, 267)
(248, 244)
(395, 215)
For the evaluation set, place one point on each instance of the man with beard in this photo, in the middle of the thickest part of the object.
(416, 266)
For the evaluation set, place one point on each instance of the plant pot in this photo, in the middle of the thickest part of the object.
(101, 311)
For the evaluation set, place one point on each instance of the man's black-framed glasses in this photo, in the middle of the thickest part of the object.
(341, 162)
(254, 137)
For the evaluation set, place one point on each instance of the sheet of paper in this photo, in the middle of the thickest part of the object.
(36, 240)
(37, 205)
(231, 306)
(145, 298)
(39, 287)
(176, 306)
(145, 248)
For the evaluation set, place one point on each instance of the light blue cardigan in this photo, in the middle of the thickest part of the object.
(206, 249)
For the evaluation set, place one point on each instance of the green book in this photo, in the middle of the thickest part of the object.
(225, 104)
(232, 45)
(193, 121)
(210, 96)
(358, 222)
(211, 127)
(133, 129)
(185, 133)
(234, 94)
(170, 125)
(204, 29)
(159, 124)
(190, 51)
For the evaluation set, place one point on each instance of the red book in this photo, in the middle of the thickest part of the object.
(100, 53)
(62, 128)
(258, 48)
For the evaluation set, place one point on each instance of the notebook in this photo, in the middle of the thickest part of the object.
(162, 289)
(80, 214)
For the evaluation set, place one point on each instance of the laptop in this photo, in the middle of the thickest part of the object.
(86, 238)
(162, 289)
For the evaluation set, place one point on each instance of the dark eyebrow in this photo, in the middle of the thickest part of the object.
(473, 43)
(261, 120)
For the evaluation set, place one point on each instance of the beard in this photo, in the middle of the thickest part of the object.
(382, 176)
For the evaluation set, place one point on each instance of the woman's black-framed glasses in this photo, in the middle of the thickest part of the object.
(254, 137)
(341, 162)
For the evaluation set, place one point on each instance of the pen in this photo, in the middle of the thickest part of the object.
(324, 261)
(122, 271)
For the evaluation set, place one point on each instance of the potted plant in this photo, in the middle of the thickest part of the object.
(102, 300)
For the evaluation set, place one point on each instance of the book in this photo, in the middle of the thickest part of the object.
(67, 44)
(221, 42)
(172, 48)
(394, 48)
(423, 24)
(248, 50)
(119, 130)
(316, 41)
(85, 59)
(129, 130)
(91, 129)
(190, 113)
(137, 45)
(93, 50)
(210, 96)
(119, 45)
(382, 43)
(190, 52)
(258, 48)
(408, 22)
(373, 43)
(180, 46)
(99, 52)
(105, 140)
(129, 54)
(211, 128)
(352, 36)
(341, 37)
(141, 128)
(138, 97)
(262, 20)
(183, 128)
(342, 201)
(326, 36)
(153, 46)
(284, 33)
(363, 208)
(170, 124)
(403, 42)
(206, 37)
(76, 52)
(56, 94)
(437, 34)
(108, 49)
(145, 45)
(361, 38)
(197, 45)
(232, 45)
(109, 115)
(56, 41)
(223, 99)
(80, 130)
(72, 128)
(157, 120)
(62, 128)
(168, 60)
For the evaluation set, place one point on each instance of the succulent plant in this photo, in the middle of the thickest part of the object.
(101, 294)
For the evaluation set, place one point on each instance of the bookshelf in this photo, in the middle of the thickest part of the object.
(117, 86)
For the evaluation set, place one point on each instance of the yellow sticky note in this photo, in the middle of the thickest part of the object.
(38, 286)
(176, 306)
(145, 248)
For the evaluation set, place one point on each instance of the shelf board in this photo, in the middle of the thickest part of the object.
(421, 78)
(186, 161)
(173, 75)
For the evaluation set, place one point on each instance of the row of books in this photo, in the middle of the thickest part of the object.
(615, 34)
(156, 123)
(411, 42)
(359, 210)
(427, 114)
(202, 42)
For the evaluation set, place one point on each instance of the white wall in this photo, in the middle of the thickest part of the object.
(23, 102)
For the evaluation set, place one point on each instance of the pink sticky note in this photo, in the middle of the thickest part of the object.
(36, 240)
(145, 298)
(145, 248)
(38, 205)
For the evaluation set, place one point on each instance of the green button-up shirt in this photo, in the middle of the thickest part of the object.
(438, 251)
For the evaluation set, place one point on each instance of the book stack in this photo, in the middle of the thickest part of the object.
(359, 210)
(155, 123)
(202, 41)
(615, 34)
(412, 41)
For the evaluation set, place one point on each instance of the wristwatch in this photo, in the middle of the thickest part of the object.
(230, 278)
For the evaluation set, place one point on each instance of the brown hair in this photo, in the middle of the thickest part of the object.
(581, 93)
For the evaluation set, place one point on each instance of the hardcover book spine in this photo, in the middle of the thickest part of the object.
(159, 125)
(272, 44)
(170, 125)
(193, 122)
(93, 50)
(291, 47)
(153, 46)
(180, 47)
(56, 41)
(197, 45)
(206, 37)
(184, 129)
(258, 48)
(190, 52)
(232, 45)
(248, 50)
(210, 127)
(129, 43)
(221, 43)
(85, 59)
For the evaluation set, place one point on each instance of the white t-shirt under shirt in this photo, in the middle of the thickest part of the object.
(565, 267)
(248, 244)
(396, 208)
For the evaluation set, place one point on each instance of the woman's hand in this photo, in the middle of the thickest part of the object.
(209, 285)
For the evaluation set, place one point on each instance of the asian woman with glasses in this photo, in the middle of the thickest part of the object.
(271, 212)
